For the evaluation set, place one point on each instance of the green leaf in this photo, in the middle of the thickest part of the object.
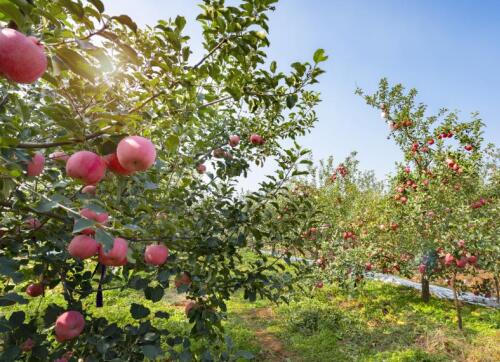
(73, 7)
(17, 318)
(12, 12)
(273, 66)
(180, 22)
(154, 293)
(127, 21)
(82, 224)
(104, 238)
(138, 311)
(291, 100)
(51, 313)
(77, 63)
(172, 143)
(98, 4)
(151, 351)
(11, 299)
(319, 56)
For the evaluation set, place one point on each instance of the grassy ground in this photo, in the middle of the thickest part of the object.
(380, 323)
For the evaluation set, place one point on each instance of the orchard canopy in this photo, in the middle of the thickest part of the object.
(120, 159)
(119, 149)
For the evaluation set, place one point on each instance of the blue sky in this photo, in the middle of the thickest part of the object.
(448, 49)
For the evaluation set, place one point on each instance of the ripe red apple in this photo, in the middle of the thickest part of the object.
(234, 140)
(430, 141)
(59, 156)
(448, 259)
(112, 163)
(404, 199)
(425, 182)
(461, 243)
(368, 266)
(201, 168)
(83, 247)
(32, 223)
(472, 260)
(468, 147)
(136, 153)
(86, 166)
(100, 218)
(89, 189)
(27, 345)
(183, 279)
(116, 256)
(156, 254)
(400, 189)
(22, 58)
(319, 285)
(407, 169)
(255, 139)
(394, 226)
(421, 268)
(36, 165)
(35, 289)
(462, 262)
(69, 325)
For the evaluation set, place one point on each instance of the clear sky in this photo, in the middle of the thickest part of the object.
(448, 49)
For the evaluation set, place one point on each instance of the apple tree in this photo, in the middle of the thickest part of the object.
(120, 158)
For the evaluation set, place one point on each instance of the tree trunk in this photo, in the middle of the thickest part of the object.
(457, 303)
(497, 288)
(426, 293)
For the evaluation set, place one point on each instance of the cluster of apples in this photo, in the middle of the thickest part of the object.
(453, 166)
(349, 235)
(416, 147)
(404, 123)
(233, 142)
(460, 259)
(22, 58)
(341, 170)
(478, 204)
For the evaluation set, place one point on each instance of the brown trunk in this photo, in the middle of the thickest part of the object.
(457, 303)
(497, 288)
(426, 293)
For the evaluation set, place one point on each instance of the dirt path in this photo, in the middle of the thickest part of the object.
(273, 349)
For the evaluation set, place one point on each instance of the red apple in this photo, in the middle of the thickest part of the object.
(462, 262)
(430, 141)
(156, 254)
(472, 260)
(27, 345)
(319, 285)
(461, 243)
(421, 268)
(116, 256)
(100, 218)
(112, 163)
(35, 289)
(468, 147)
(32, 223)
(183, 279)
(22, 58)
(69, 325)
(368, 266)
(83, 247)
(407, 169)
(255, 139)
(136, 153)
(36, 165)
(234, 140)
(448, 259)
(86, 166)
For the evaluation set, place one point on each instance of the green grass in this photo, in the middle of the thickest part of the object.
(379, 322)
